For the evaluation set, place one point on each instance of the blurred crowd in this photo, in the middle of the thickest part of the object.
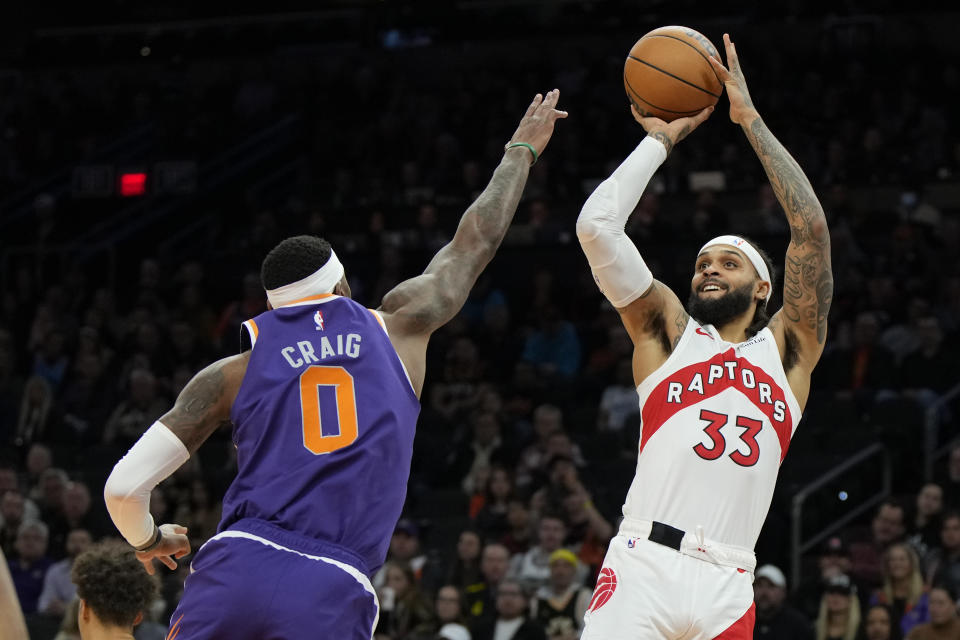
(527, 438)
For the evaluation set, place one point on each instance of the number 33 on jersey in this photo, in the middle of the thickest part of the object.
(717, 419)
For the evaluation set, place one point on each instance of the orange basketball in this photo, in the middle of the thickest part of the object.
(668, 74)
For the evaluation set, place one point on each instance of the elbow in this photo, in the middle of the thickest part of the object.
(819, 229)
(587, 227)
(115, 491)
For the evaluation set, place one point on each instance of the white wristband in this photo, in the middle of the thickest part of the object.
(156, 455)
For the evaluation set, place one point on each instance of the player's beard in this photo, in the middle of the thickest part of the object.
(720, 311)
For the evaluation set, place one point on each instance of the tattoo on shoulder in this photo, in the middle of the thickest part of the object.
(664, 139)
(190, 417)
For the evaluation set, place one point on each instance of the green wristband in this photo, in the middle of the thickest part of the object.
(529, 146)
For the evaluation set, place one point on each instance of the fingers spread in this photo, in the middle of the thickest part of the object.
(148, 565)
(537, 99)
(550, 101)
(170, 562)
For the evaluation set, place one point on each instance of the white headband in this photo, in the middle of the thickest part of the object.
(752, 255)
(323, 280)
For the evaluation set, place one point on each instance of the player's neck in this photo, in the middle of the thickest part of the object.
(95, 630)
(735, 331)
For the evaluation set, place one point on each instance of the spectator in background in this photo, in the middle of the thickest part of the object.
(924, 532)
(31, 563)
(547, 420)
(481, 597)
(902, 590)
(58, 587)
(404, 551)
(404, 610)
(474, 459)
(465, 568)
(878, 623)
(13, 514)
(48, 495)
(491, 518)
(75, 514)
(532, 569)
(864, 366)
(39, 459)
(834, 559)
(559, 604)
(553, 348)
(519, 537)
(944, 624)
(619, 400)
(199, 514)
(114, 591)
(776, 620)
(922, 371)
(512, 619)
(35, 409)
(839, 617)
(943, 563)
(887, 527)
(141, 407)
(450, 606)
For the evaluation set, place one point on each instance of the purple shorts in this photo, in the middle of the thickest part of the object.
(259, 586)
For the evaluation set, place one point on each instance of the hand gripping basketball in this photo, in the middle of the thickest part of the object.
(536, 126)
(742, 110)
(670, 133)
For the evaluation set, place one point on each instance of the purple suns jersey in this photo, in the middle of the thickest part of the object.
(324, 424)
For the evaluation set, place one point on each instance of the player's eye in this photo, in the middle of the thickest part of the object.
(731, 264)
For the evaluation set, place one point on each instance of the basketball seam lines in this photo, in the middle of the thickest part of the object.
(675, 77)
(663, 35)
(637, 95)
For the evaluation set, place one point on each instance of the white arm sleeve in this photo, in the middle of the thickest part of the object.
(156, 455)
(616, 264)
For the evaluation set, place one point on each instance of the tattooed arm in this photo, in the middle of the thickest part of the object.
(205, 402)
(415, 308)
(808, 278)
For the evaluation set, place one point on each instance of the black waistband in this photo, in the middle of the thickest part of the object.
(666, 535)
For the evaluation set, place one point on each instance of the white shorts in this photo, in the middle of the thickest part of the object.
(651, 591)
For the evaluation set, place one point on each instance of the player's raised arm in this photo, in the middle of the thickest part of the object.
(808, 277)
(651, 312)
(202, 407)
(417, 307)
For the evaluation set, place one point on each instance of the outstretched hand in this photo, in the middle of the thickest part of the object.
(536, 126)
(173, 544)
(742, 110)
(670, 133)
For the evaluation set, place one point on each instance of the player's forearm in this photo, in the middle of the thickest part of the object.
(790, 185)
(615, 261)
(489, 217)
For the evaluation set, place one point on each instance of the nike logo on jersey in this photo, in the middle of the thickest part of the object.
(704, 333)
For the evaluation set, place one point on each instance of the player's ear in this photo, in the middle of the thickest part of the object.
(138, 619)
(342, 288)
(762, 290)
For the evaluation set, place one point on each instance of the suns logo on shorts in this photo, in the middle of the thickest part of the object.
(606, 585)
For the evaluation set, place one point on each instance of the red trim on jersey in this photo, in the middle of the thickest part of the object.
(656, 410)
(742, 629)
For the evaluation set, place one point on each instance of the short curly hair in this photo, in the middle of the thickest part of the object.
(293, 259)
(113, 583)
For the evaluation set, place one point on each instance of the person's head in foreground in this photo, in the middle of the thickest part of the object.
(300, 267)
(731, 278)
(114, 591)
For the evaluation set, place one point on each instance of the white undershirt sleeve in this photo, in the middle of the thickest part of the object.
(152, 459)
(616, 263)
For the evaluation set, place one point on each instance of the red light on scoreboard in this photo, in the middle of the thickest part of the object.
(133, 184)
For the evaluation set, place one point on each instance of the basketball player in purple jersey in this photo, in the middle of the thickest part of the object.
(323, 407)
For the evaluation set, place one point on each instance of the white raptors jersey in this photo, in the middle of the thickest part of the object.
(717, 421)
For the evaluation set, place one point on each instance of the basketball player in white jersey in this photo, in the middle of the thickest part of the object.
(721, 388)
